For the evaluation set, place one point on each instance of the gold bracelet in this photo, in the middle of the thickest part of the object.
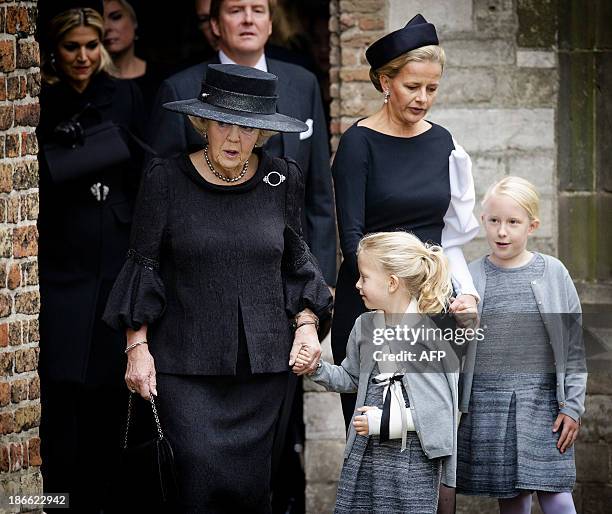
(303, 323)
(134, 345)
(309, 317)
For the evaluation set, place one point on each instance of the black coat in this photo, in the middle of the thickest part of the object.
(206, 259)
(82, 240)
(299, 97)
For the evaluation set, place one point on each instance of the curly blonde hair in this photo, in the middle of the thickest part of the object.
(422, 268)
(63, 23)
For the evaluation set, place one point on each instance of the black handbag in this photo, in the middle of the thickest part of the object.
(148, 475)
(79, 151)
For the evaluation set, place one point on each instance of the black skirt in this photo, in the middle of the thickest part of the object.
(221, 429)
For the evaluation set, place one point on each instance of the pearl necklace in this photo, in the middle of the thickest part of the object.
(245, 168)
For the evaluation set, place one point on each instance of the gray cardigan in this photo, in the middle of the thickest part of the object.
(555, 294)
(433, 395)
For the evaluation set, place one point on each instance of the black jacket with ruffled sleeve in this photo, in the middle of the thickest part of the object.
(203, 253)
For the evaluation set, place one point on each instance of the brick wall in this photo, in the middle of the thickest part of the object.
(19, 297)
(354, 24)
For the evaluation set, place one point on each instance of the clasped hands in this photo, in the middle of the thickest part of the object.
(305, 345)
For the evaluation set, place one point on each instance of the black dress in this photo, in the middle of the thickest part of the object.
(82, 243)
(215, 272)
(149, 84)
(420, 184)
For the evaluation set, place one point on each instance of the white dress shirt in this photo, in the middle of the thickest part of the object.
(261, 64)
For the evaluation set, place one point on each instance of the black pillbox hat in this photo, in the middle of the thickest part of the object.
(418, 32)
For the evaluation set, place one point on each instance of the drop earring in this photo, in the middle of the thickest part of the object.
(387, 95)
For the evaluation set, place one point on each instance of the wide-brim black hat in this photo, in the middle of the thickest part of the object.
(239, 95)
(418, 32)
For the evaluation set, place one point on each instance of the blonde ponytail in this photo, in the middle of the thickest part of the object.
(422, 268)
(436, 286)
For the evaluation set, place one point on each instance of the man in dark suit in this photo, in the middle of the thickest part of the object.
(242, 28)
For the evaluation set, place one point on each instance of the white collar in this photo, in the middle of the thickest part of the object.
(260, 65)
(413, 308)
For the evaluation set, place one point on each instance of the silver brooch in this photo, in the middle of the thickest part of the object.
(274, 178)
(100, 191)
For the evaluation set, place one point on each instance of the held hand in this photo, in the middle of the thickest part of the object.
(140, 374)
(465, 310)
(306, 339)
(303, 359)
(361, 422)
(569, 433)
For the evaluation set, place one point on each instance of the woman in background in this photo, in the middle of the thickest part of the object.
(120, 27)
(84, 225)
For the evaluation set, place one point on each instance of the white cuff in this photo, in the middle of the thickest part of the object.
(374, 416)
(460, 273)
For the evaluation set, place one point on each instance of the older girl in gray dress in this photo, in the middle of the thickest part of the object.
(386, 469)
(525, 381)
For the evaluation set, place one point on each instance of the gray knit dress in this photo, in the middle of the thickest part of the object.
(378, 478)
(506, 445)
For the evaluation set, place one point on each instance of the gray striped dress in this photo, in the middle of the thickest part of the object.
(505, 443)
(379, 478)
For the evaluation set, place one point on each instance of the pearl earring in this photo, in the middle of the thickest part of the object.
(387, 95)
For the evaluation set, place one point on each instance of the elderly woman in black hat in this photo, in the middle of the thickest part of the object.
(89, 175)
(216, 272)
(395, 170)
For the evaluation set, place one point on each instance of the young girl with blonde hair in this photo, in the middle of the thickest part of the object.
(524, 383)
(402, 441)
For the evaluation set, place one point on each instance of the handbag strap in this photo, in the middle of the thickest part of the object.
(129, 417)
(89, 107)
(140, 142)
